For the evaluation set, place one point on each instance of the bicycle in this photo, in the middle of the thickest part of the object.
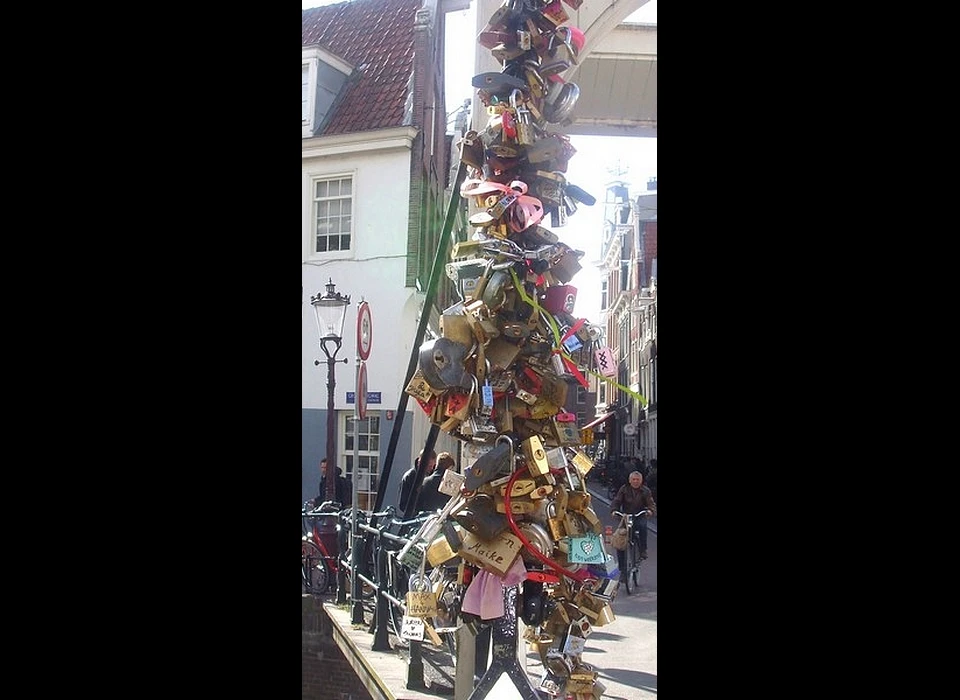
(631, 556)
(318, 566)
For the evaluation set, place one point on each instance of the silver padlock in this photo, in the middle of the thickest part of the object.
(525, 132)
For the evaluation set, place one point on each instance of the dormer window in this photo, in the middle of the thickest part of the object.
(304, 93)
(322, 77)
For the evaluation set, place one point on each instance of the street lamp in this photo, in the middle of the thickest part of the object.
(331, 310)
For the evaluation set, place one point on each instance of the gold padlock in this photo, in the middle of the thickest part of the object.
(536, 456)
(521, 487)
(572, 524)
(578, 501)
(582, 462)
(518, 506)
(440, 551)
(556, 521)
(591, 517)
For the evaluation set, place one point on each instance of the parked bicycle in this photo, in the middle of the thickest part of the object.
(318, 547)
(630, 575)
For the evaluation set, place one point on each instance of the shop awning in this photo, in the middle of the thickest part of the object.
(598, 421)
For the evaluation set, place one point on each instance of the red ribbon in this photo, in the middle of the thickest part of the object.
(570, 364)
(581, 575)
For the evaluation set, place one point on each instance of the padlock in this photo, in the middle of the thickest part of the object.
(558, 215)
(524, 40)
(553, 67)
(455, 327)
(482, 428)
(572, 524)
(471, 150)
(592, 518)
(550, 684)
(540, 542)
(556, 521)
(578, 501)
(525, 135)
(555, 13)
(480, 517)
(441, 361)
(559, 664)
(420, 389)
(501, 17)
(503, 418)
(495, 290)
(440, 551)
(563, 44)
(489, 465)
(533, 600)
(583, 463)
(489, 39)
(541, 491)
(496, 555)
(536, 456)
(560, 108)
(560, 299)
(504, 52)
(521, 487)
(518, 506)
(567, 434)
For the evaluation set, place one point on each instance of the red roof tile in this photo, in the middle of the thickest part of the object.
(376, 36)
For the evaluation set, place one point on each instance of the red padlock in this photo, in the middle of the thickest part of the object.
(560, 298)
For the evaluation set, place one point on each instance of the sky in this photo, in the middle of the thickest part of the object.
(590, 168)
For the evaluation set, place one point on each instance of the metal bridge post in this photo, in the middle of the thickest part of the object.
(505, 636)
(381, 640)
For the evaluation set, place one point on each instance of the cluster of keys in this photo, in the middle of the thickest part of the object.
(508, 360)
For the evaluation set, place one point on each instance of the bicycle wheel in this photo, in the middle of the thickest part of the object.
(398, 583)
(313, 570)
(367, 592)
(630, 559)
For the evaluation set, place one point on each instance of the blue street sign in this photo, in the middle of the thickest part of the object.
(372, 396)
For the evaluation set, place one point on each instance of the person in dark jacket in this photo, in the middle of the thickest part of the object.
(430, 496)
(410, 477)
(342, 490)
(632, 498)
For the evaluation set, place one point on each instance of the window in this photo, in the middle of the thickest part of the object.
(368, 457)
(333, 214)
(304, 92)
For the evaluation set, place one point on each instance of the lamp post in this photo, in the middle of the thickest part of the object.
(331, 310)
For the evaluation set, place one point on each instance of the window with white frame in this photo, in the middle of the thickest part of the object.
(304, 92)
(333, 213)
(368, 457)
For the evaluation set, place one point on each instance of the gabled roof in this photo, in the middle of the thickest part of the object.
(377, 37)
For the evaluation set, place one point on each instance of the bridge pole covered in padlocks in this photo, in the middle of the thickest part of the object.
(509, 360)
